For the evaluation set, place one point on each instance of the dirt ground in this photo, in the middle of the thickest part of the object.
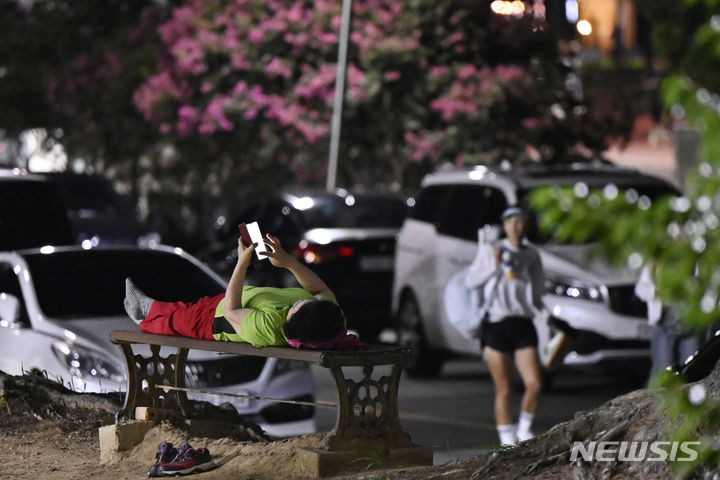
(67, 448)
(46, 439)
(49, 433)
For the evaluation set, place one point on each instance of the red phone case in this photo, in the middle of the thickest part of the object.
(244, 235)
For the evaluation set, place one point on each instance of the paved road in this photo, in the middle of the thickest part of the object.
(453, 413)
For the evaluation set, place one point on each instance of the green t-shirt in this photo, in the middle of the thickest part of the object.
(262, 327)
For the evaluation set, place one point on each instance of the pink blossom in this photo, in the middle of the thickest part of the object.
(355, 75)
(206, 87)
(392, 75)
(421, 147)
(239, 62)
(438, 71)
(449, 107)
(239, 88)
(257, 96)
(154, 90)
(256, 35)
(465, 72)
(274, 24)
(454, 38)
(531, 123)
(189, 55)
(214, 116)
(187, 118)
(328, 38)
(296, 12)
(276, 67)
(311, 132)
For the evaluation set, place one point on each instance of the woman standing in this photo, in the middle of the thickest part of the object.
(515, 297)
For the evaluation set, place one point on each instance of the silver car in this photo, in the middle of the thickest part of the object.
(59, 304)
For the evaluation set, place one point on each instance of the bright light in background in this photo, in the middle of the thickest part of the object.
(319, 235)
(504, 7)
(43, 153)
(303, 203)
(572, 13)
(584, 27)
(47, 249)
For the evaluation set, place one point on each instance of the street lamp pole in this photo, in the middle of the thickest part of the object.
(339, 95)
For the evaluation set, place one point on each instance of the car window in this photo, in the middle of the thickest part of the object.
(85, 193)
(353, 211)
(431, 203)
(92, 283)
(32, 215)
(469, 208)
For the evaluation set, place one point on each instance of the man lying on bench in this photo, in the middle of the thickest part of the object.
(262, 316)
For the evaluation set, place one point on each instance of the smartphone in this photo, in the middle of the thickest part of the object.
(250, 233)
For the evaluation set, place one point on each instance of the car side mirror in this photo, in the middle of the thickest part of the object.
(9, 309)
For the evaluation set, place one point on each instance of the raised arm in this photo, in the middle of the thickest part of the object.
(305, 277)
(232, 308)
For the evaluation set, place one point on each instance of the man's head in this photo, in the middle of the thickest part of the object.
(314, 321)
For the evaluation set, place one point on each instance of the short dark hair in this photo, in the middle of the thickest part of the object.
(315, 321)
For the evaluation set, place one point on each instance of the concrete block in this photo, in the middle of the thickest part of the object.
(155, 414)
(317, 463)
(121, 437)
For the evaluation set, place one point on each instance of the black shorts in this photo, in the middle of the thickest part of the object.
(509, 334)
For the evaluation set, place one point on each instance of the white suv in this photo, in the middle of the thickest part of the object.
(439, 238)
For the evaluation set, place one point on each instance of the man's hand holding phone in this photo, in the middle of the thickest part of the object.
(249, 235)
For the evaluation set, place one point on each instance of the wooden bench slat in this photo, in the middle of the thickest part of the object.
(320, 357)
(127, 336)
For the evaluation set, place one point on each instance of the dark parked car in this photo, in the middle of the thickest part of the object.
(32, 212)
(347, 238)
(60, 208)
(97, 213)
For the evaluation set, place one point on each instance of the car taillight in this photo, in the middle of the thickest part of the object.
(314, 253)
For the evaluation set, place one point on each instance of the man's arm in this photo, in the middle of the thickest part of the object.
(232, 308)
(305, 277)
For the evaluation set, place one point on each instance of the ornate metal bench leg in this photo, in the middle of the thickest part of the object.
(131, 385)
(367, 412)
(145, 375)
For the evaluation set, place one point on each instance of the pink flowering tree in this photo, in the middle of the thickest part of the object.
(251, 82)
(206, 103)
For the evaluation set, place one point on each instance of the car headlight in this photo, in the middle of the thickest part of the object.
(573, 290)
(87, 364)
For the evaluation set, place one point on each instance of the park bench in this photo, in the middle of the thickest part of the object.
(367, 422)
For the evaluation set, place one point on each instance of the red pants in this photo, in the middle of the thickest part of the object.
(193, 320)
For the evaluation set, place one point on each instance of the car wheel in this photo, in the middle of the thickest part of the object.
(426, 362)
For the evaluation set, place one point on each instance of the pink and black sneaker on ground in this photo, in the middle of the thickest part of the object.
(187, 461)
(166, 453)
